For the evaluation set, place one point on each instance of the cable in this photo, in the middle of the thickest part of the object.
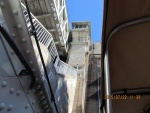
(39, 49)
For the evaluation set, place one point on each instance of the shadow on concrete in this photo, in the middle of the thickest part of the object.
(91, 83)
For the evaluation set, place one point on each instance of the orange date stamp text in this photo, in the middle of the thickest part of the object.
(122, 97)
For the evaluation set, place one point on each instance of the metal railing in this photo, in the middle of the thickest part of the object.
(42, 34)
(46, 39)
(65, 69)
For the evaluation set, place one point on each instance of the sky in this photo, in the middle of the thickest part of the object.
(87, 10)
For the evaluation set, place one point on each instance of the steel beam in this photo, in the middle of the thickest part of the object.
(43, 16)
(62, 8)
(52, 30)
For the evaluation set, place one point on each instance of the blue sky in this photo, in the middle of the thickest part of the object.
(87, 10)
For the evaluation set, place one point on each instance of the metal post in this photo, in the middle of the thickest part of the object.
(107, 84)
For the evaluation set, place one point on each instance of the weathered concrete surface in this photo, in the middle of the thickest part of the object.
(77, 105)
(63, 86)
(77, 55)
(92, 98)
(80, 92)
(97, 48)
(71, 85)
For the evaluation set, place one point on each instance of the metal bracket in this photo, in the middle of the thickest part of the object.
(24, 72)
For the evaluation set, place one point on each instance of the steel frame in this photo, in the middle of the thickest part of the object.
(106, 59)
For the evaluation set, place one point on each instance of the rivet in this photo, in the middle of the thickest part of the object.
(4, 84)
(15, 12)
(19, 26)
(33, 70)
(27, 51)
(10, 107)
(24, 40)
(26, 106)
(18, 93)
(46, 106)
(2, 106)
(43, 97)
(36, 79)
(11, 51)
(31, 62)
(38, 87)
(33, 102)
(44, 102)
(12, 90)
(28, 91)
(40, 93)
(13, 35)
(2, 4)
(57, 25)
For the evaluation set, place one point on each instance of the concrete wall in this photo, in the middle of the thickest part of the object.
(63, 86)
(97, 48)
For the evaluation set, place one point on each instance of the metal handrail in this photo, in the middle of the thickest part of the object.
(106, 60)
(62, 66)
(41, 56)
(44, 31)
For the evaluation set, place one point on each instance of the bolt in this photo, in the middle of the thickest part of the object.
(11, 51)
(19, 26)
(2, 106)
(26, 106)
(31, 62)
(13, 35)
(33, 102)
(10, 107)
(46, 106)
(43, 97)
(4, 84)
(40, 93)
(24, 40)
(33, 70)
(38, 87)
(44, 102)
(36, 79)
(2, 4)
(18, 93)
(57, 25)
(27, 51)
(12, 90)
(15, 12)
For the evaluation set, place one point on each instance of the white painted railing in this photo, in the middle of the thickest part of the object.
(65, 69)
(42, 34)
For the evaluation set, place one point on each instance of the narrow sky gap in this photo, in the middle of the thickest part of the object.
(87, 10)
